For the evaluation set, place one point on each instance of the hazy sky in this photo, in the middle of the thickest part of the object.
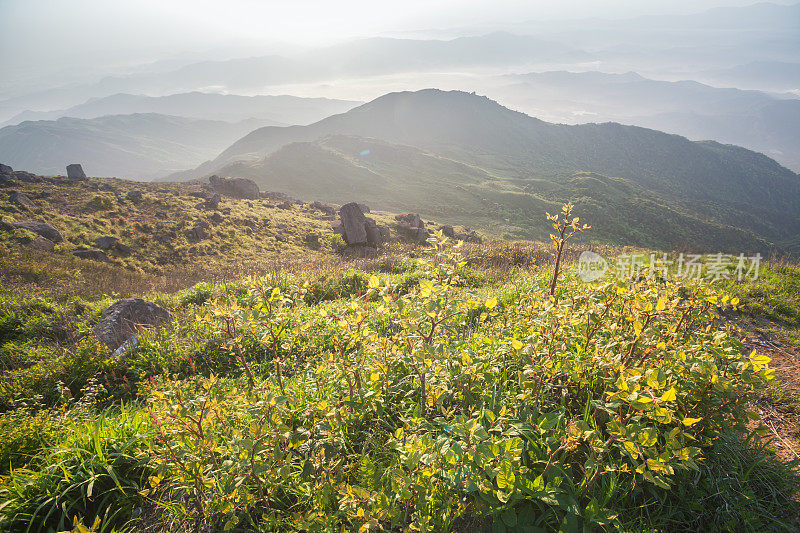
(63, 32)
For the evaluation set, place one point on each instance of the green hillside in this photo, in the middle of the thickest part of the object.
(504, 165)
(402, 178)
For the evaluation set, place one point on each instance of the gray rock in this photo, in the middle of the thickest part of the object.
(199, 231)
(40, 228)
(312, 239)
(414, 224)
(374, 237)
(106, 242)
(353, 223)
(364, 208)
(5, 169)
(448, 231)
(325, 208)
(21, 199)
(135, 196)
(212, 202)
(385, 232)
(7, 180)
(125, 319)
(94, 255)
(235, 187)
(75, 172)
(40, 243)
(123, 249)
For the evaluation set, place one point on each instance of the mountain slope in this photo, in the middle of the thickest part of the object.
(729, 185)
(401, 178)
(139, 146)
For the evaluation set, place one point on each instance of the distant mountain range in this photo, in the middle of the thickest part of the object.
(278, 110)
(752, 119)
(137, 146)
(467, 159)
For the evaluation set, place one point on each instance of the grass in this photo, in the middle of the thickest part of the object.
(369, 377)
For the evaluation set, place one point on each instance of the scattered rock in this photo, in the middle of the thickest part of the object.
(471, 237)
(414, 224)
(7, 170)
(40, 228)
(126, 318)
(212, 202)
(448, 231)
(235, 187)
(135, 196)
(325, 208)
(285, 205)
(75, 172)
(94, 255)
(106, 242)
(40, 243)
(21, 200)
(199, 230)
(123, 249)
(312, 239)
(108, 188)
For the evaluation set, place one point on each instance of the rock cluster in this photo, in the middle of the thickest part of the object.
(467, 236)
(414, 225)
(235, 187)
(361, 234)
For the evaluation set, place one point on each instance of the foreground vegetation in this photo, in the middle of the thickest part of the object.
(426, 395)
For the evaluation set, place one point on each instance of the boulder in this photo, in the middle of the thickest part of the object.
(7, 170)
(235, 187)
(75, 172)
(126, 318)
(374, 237)
(21, 199)
(106, 242)
(364, 208)
(40, 228)
(470, 237)
(448, 231)
(40, 243)
(135, 196)
(94, 255)
(386, 234)
(353, 224)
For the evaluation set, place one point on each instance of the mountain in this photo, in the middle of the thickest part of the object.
(753, 119)
(139, 146)
(523, 160)
(277, 110)
(771, 75)
(366, 57)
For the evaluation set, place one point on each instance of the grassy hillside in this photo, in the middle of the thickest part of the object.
(430, 393)
(137, 146)
(402, 178)
(724, 186)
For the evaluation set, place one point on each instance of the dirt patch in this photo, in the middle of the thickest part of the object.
(779, 408)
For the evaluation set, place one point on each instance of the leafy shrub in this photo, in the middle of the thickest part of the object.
(101, 202)
(196, 295)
